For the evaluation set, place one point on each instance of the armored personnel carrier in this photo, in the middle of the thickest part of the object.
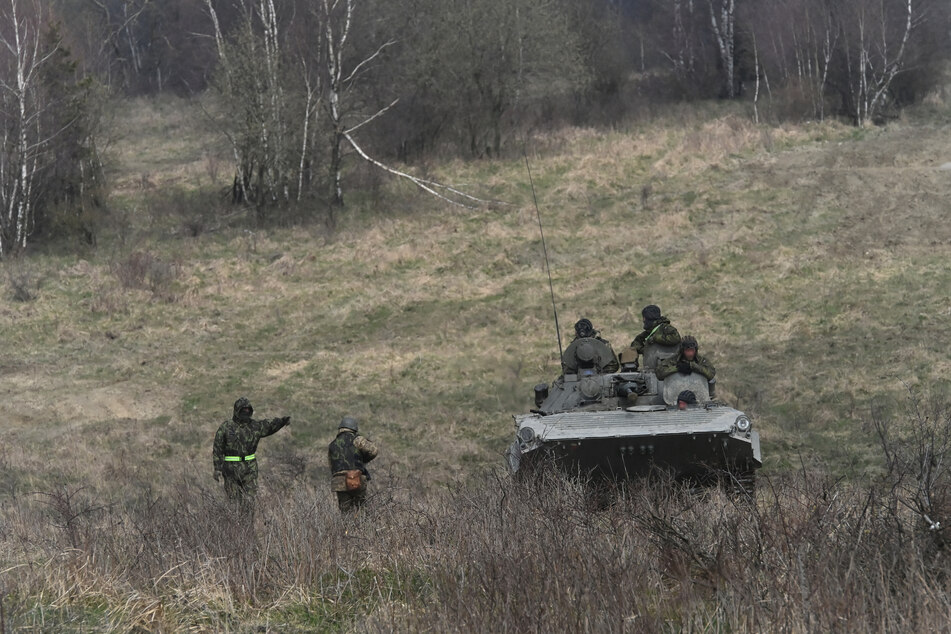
(608, 419)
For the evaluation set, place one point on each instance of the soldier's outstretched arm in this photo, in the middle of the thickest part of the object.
(268, 427)
(368, 451)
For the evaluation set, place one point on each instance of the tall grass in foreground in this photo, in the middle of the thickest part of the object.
(539, 553)
(811, 555)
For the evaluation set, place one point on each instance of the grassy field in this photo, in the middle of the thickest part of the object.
(810, 261)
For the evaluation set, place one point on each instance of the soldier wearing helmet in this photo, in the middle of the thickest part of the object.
(234, 452)
(348, 456)
(685, 399)
(688, 361)
(602, 356)
(657, 329)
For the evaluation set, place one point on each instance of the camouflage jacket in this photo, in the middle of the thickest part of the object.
(607, 364)
(350, 451)
(660, 332)
(612, 365)
(239, 437)
(699, 365)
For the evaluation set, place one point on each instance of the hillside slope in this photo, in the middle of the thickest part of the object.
(810, 263)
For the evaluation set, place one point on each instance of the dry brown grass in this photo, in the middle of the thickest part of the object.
(162, 143)
(548, 553)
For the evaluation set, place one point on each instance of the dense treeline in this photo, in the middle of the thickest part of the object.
(814, 57)
(301, 84)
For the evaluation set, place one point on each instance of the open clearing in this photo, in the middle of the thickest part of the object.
(810, 262)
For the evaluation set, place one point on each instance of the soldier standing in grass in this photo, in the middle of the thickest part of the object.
(235, 445)
(348, 455)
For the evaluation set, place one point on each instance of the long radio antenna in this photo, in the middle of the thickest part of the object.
(551, 286)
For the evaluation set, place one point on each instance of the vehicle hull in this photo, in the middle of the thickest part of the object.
(693, 443)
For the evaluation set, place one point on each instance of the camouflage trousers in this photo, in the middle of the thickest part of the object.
(242, 492)
(351, 501)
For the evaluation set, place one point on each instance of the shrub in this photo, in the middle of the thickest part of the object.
(142, 270)
(23, 284)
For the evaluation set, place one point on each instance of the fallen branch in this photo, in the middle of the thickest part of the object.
(426, 185)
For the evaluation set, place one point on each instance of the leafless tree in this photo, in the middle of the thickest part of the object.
(271, 80)
(126, 47)
(337, 17)
(682, 53)
(823, 38)
(256, 120)
(875, 39)
(24, 141)
(723, 25)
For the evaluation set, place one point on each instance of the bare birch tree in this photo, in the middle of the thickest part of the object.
(120, 19)
(723, 25)
(876, 36)
(22, 57)
(337, 17)
(823, 37)
(681, 48)
(256, 120)
(341, 80)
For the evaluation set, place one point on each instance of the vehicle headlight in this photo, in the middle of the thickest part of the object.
(743, 423)
(526, 435)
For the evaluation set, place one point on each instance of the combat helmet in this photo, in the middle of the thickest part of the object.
(688, 397)
(348, 422)
(584, 328)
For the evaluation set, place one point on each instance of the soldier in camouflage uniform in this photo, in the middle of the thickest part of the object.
(350, 452)
(584, 329)
(657, 329)
(688, 361)
(235, 445)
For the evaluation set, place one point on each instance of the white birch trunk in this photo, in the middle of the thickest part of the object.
(723, 32)
(22, 150)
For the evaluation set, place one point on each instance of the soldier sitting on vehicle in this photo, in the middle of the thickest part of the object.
(685, 399)
(589, 350)
(688, 361)
(657, 329)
